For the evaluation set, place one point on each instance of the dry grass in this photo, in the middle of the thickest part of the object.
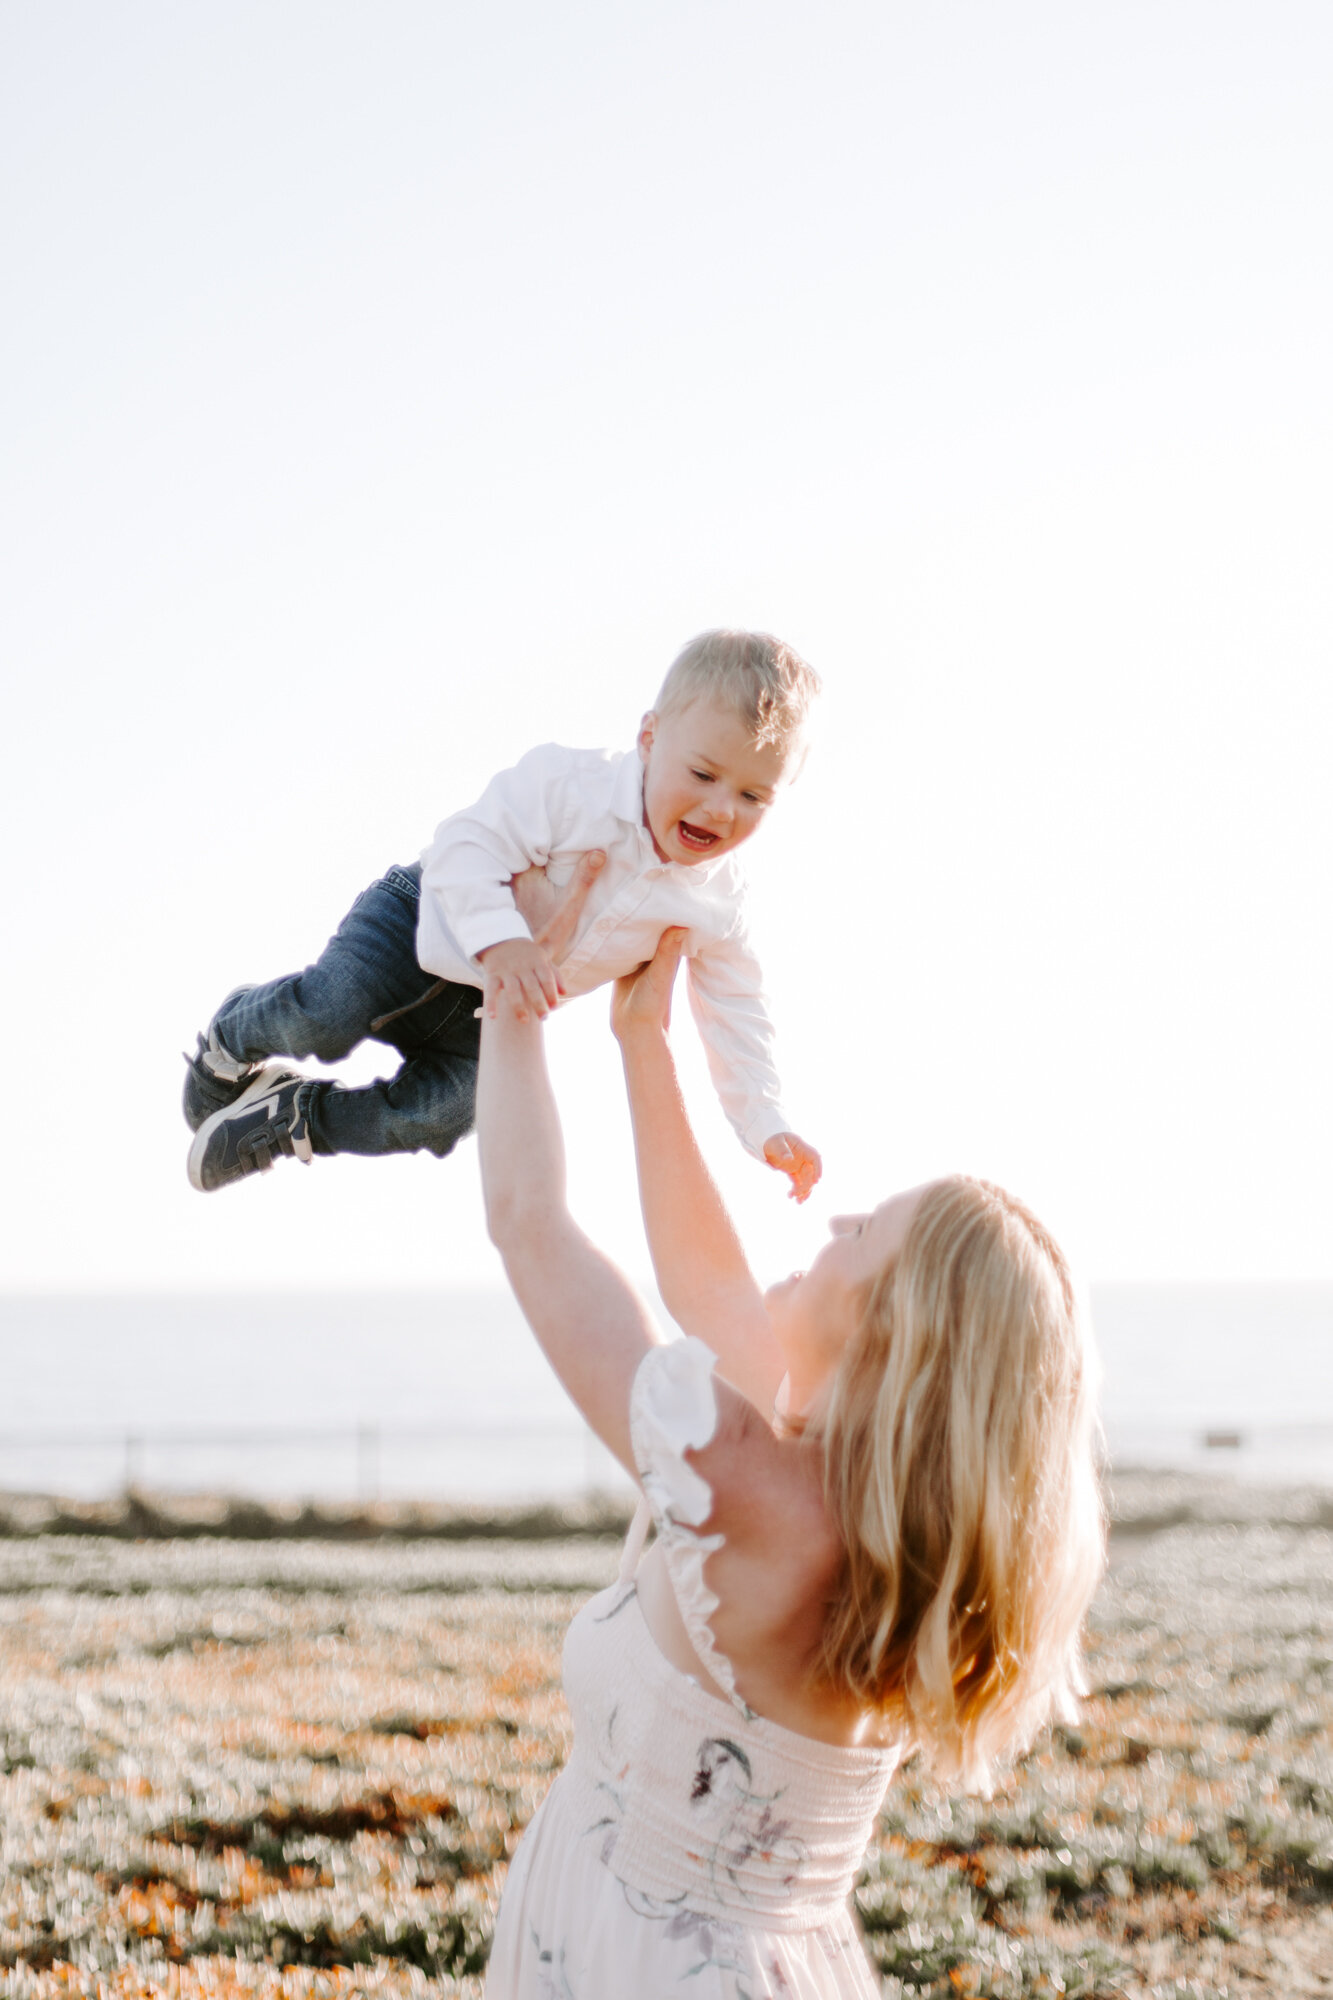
(299, 1768)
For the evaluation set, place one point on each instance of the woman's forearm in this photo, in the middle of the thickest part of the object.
(521, 1146)
(702, 1273)
(591, 1323)
(691, 1236)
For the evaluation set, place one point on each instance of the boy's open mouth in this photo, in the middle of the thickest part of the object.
(695, 836)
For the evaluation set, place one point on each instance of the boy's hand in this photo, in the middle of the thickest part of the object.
(519, 971)
(800, 1162)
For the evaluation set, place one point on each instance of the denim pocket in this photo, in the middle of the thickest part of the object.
(405, 883)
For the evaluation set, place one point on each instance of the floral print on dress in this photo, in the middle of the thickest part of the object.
(722, 1946)
(688, 1851)
(615, 1769)
(552, 1983)
(723, 1795)
(711, 1945)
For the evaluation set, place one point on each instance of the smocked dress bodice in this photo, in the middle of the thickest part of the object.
(689, 1846)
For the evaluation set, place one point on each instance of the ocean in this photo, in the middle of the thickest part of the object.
(446, 1396)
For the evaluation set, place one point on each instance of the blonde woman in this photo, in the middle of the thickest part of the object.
(876, 1530)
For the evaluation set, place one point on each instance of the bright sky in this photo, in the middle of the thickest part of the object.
(392, 387)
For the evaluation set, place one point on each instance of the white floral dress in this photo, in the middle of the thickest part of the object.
(690, 1849)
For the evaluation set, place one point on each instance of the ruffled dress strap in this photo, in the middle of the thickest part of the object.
(673, 1409)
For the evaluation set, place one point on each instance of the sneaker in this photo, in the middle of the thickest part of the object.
(214, 1078)
(247, 1136)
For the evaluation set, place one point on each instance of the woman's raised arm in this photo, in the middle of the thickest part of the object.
(591, 1323)
(706, 1284)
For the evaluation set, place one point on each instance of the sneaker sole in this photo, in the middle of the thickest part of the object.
(268, 1079)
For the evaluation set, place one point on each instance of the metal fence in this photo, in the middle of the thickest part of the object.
(305, 1461)
(368, 1461)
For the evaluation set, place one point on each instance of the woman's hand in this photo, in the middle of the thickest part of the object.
(642, 999)
(705, 1282)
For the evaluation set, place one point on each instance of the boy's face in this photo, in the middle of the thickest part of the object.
(706, 783)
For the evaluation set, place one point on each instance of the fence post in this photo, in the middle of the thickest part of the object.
(133, 1460)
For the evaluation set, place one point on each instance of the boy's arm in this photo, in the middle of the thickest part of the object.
(553, 918)
(727, 1000)
(519, 973)
(520, 817)
(702, 1273)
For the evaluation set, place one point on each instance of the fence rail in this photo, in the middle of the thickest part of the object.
(361, 1445)
(361, 1448)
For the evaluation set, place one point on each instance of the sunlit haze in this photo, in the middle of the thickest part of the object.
(392, 389)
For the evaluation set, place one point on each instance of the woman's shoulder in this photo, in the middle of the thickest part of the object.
(779, 1553)
(713, 1451)
(718, 1463)
(746, 1531)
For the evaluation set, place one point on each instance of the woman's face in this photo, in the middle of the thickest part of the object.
(816, 1312)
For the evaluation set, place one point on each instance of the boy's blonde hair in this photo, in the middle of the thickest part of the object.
(767, 683)
(958, 1457)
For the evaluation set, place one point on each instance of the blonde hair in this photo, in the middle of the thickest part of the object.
(767, 683)
(959, 1469)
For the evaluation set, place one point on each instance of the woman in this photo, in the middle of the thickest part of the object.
(877, 1531)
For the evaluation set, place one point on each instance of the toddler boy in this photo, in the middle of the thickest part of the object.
(406, 963)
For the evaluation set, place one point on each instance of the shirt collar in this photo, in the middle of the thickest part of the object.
(627, 805)
(627, 793)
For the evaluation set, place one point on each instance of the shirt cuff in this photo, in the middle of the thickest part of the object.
(765, 1124)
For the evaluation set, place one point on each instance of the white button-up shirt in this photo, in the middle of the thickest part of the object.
(553, 806)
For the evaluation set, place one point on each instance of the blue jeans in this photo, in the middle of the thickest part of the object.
(366, 983)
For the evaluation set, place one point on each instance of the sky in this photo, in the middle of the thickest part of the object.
(387, 389)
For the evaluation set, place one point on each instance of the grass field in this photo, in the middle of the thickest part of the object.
(300, 1767)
